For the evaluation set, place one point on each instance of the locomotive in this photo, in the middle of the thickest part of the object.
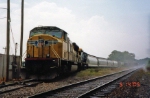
(51, 53)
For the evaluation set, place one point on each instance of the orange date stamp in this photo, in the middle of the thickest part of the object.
(130, 84)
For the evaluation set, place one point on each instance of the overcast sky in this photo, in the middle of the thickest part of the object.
(97, 26)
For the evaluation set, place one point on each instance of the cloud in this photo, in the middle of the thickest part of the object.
(80, 31)
(95, 35)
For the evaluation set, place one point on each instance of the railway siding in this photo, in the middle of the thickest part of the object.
(18, 85)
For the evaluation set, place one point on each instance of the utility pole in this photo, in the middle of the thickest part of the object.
(8, 39)
(15, 51)
(21, 38)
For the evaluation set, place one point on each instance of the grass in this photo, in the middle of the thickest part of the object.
(97, 71)
(148, 72)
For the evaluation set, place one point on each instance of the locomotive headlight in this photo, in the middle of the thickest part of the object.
(28, 56)
(47, 56)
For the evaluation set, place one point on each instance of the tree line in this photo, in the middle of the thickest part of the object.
(126, 57)
(122, 56)
(129, 58)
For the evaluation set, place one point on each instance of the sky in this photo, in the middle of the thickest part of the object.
(97, 26)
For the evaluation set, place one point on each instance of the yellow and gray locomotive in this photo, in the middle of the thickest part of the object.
(49, 51)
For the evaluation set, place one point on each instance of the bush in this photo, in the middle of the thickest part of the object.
(148, 65)
(94, 72)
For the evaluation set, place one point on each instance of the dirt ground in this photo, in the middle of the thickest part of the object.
(137, 86)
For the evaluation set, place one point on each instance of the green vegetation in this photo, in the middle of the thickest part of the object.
(127, 58)
(143, 61)
(148, 65)
(89, 72)
(97, 72)
(121, 56)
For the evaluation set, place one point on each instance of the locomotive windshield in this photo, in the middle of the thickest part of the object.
(56, 33)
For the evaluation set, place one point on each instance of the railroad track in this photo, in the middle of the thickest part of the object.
(84, 88)
(105, 89)
(15, 86)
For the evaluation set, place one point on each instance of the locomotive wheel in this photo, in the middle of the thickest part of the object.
(79, 67)
(27, 76)
(65, 69)
(86, 66)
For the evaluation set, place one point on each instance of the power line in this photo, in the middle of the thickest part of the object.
(3, 17)
(12, 34)
(12, 37)
(11, 50)
(2, 8)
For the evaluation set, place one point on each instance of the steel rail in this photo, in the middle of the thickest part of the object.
(71, 85)
(21, 85)
(11, 84)
(90, 92)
